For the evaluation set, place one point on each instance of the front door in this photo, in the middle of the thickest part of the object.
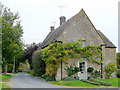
(83, 70)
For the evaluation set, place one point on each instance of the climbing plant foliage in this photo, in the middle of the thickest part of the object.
(53, 55)
(58, 52)
(91, 53)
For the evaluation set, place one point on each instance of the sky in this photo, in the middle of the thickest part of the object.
(38, 15)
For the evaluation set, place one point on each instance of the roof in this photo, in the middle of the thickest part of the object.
(54, 34)
(108, 43)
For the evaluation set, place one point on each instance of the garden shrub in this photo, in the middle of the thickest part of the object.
(19, 69)
(96, 82)
(118, 73)
(76, 78)
(91, 82)
(68, 78)
(9, 68)
(109, 69)
(118, 60)
(101, 82)
(44, 76)
(71, 70)
(50, 78)
(90, 69)
(30, 72)
(96, 74)
(118, 66)
(38, 64)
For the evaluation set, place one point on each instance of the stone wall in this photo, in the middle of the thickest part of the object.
(109, 55)
(74, 62)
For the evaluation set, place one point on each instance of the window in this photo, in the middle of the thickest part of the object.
(83, 43)
(82, 66)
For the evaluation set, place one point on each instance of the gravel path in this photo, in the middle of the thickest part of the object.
(23, 80)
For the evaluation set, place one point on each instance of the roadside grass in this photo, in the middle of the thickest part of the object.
(75, 83)
(78, 83)
(4, 78)
(5, 86)
(115, 81)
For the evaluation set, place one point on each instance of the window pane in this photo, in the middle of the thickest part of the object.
(83, 44)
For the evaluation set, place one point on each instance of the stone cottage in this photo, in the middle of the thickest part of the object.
(76, 28)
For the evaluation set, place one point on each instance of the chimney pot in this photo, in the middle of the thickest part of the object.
(52, 28)
(62, 19)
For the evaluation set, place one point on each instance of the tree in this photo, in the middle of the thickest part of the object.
(109, 69)
(38, 64)
(28, 52)
(12, 32)
(118, 60)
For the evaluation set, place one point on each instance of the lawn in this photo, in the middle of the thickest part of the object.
(4, 78)
(75, 83)
(78, 83)
(115, 81)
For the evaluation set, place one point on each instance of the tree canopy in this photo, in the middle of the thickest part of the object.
(12, 46)
(28, 52)
(118, 60)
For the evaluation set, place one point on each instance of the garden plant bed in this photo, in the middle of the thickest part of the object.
(97, 82)
(114, 81)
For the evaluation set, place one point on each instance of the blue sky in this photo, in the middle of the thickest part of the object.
(38, 15)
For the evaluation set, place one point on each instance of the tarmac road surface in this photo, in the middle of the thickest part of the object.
(24, 80)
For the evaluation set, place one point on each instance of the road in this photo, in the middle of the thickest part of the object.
(23, 80)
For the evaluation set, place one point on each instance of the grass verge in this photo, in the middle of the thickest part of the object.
(114, 81)
(78, 83)
(5, 78)
(73, 83)
(5, 86)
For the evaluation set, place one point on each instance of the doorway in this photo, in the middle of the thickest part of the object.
(83, 70)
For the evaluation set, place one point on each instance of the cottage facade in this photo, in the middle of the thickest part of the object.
(79, 27)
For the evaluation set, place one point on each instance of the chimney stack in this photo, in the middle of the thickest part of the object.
(52, 28)
(62, 19)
